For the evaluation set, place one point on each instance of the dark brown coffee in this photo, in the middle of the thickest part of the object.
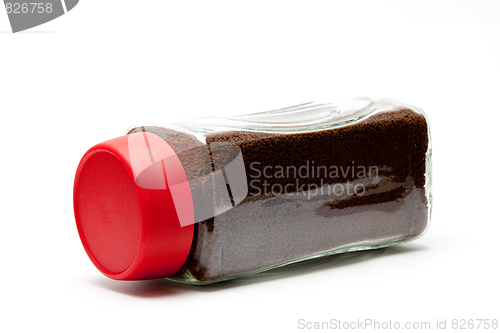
(347, 188)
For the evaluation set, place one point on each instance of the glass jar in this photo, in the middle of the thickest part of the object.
(211, 199)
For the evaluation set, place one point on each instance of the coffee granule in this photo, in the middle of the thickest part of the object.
(270, 228)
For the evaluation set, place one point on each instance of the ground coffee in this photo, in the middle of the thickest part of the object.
(342, 186)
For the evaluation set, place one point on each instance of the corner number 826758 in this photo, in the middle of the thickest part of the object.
(28, 7)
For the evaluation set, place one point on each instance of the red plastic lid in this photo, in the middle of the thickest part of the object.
(133, 208)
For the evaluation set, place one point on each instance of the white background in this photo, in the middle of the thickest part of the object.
(89, 75)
